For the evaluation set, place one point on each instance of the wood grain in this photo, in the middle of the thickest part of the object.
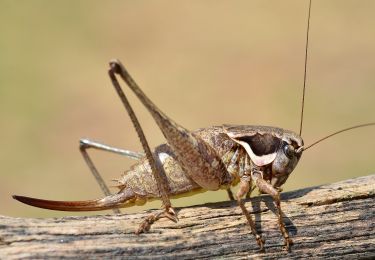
(329, 221)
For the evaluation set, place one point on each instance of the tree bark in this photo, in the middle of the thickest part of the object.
(329, 221)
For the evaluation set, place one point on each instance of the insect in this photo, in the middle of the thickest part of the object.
(206, 159)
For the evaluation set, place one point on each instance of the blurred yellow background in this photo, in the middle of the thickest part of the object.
(202, 62)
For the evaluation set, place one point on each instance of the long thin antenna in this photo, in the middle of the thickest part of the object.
(304, 76)
(338, 132)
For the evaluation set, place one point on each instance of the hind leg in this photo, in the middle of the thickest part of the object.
(156, 168)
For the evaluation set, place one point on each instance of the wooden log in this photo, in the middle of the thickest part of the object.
(329, 221)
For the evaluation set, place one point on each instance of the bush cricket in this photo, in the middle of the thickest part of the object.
(212, 158)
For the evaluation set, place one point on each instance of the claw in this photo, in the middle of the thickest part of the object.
(171, 214)
(260, 242)
(146, 224)
(171, 210)
(149, 220)
(288, 243)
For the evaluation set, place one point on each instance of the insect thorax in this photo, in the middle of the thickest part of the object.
(273, 151)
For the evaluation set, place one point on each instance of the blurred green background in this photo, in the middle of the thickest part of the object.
(202, 62)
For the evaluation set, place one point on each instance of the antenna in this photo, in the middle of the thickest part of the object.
(338, 132)
(304, 76)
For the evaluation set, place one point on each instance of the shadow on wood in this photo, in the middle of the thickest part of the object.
(329, 221)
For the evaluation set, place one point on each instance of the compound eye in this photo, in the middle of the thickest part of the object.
(288, 150)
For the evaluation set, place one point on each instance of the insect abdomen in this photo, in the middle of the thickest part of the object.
(140, 180)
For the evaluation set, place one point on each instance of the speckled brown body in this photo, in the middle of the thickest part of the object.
(140, 181)
(194, 161)
(140, 185)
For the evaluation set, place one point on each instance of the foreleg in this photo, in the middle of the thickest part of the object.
(265, 187)
(244, 189)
